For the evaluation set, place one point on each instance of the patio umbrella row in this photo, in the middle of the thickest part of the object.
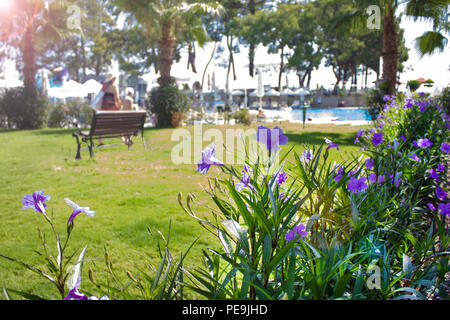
(274, 93)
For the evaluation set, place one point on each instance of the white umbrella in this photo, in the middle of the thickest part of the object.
(71, 89)
(238, 93)
(91, 86)
(301, 92)
(272, 93)
(11, 83)
(286, 92)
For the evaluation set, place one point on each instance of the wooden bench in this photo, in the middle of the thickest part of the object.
(111, 124)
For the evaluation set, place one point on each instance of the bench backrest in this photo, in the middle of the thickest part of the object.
(115, 123)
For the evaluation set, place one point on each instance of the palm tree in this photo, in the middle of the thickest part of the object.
(28, 24)
(426, 10)
(166, 22)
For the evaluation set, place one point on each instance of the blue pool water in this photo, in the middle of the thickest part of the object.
(343, 114)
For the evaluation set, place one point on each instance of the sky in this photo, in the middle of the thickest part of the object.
(436, 67)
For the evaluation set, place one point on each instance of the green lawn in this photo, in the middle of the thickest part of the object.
(129, 191)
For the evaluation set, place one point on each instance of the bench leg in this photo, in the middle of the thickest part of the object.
(78, 156)
(129, 142)
(91, 147)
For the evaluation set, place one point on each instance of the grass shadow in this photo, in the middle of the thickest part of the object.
(344, 139)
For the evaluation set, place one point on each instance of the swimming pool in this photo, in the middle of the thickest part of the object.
(342, 114)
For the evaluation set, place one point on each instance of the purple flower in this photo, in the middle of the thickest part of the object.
(369, 163)
(282, 196)
(440, 193)
(440, 168)
(35, 201)
(373, 177)
(271, 138)
(357, 185)
(444, 209)
(381, 179)
(398, 179)
(339, 175)
(445, 147)
(307, 156)
(358, 134)
(414, 157)
(244, 183)
(402, 137)
(408, 104)
(434, 175)
(208, 159)
(377, 139)
(77, 210)
(431, 206)
(423, 105)
(281, 178)
(299, 230)
(424, 143)
(331, 144)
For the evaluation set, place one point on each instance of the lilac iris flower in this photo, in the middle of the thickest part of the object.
(208, 159)
(434, 175)
(423, 143)
(431, 207)
(299, 230)
(77, 210)
(408, 104)
(357, 185)
(35, 201)
(445, 147)
(369, 163)
(331, 144)
(358, 134)
(74, 293)
(281, 178)
(440, 168)
(440, 193)
(381, 179)
(244, 183)
(339, 175)
(377, 139)
(272, 139)
(398, 179)
(307, 156)
(444, 209)
(282, 196)
(402, 137)
(373, 177)
(414, 157)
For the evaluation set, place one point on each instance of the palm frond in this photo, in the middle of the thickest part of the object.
(431, 42)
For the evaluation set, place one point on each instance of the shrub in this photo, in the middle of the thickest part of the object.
(166, 100)
(413, 85)
(374, 101)
(243, 116)
(24, 108)
(319, 236)
(57, 117)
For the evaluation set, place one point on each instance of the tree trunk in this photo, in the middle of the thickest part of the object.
(83, 56)
(29, 59)
(166, 47)
(281, 67)
(390, 51)
(251, 53)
